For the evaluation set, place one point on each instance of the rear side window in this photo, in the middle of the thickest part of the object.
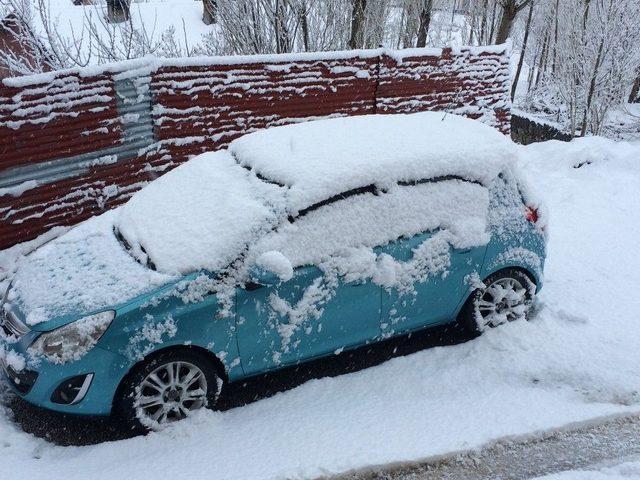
(370, 220)
(506, 207)
(504, 190)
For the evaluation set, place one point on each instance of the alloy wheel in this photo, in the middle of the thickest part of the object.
(170, 393)
(502, 301)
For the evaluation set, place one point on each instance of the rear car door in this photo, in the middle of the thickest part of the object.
(434, 269)
(434, 298)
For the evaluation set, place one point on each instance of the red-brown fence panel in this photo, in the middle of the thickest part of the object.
(471, 81)
(67, 116)
(205, 107)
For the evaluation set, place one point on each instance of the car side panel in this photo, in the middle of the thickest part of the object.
(515, 241)
(171, 319)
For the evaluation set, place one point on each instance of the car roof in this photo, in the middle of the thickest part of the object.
(320, 159)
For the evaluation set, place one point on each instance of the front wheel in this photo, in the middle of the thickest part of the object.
(507, 296)
(168, 388)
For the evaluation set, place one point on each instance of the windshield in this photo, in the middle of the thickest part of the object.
(198, 216)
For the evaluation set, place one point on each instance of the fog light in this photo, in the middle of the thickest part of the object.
(72, 390)
(22, 380)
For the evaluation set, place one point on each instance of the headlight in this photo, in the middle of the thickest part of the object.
(74, 340)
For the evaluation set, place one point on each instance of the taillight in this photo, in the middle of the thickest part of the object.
(531, 214)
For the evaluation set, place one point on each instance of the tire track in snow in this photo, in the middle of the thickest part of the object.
(518, 460)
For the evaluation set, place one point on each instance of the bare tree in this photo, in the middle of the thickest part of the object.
(634, 96)
(523, 51)
(356, 39)
(425, 20)
(492, 23)
(118, 11)
(209, 11)
(483, 24)
(281, 13)
(303, 10)
(597, 61)
(510, 9)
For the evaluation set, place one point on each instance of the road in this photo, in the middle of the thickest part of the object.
(554, 452)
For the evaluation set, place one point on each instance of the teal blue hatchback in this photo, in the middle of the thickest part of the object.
(295, 243)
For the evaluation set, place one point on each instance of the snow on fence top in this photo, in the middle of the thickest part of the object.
(76, 142)
(150, 64)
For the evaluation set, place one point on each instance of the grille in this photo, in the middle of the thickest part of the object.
(11, 325)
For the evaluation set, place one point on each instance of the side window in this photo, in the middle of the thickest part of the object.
(402, 249)
(350, 222)
(369, 220)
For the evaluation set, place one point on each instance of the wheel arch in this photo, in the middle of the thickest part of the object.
(211, 357)
(533, 273)
(488, 273)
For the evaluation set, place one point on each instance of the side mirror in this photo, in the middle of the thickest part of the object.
(271, 268)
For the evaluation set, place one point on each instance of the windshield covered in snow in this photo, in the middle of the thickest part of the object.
(198, 216)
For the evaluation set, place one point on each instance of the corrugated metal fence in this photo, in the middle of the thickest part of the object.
(75, 143)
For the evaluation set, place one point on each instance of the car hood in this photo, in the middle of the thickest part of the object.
(82, 272)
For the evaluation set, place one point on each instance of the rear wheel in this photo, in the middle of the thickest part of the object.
(507, 296)
(167, 388)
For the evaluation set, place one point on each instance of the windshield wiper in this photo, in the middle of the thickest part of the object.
(129, 249)
(259, 176)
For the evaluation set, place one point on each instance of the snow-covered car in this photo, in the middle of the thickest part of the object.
(295, 243)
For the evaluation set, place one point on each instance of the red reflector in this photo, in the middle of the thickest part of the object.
(531, 214)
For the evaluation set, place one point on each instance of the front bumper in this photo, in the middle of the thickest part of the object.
(102, 369)
(20, 380)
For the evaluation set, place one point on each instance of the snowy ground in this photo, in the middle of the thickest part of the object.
(575, 361)
(575, 449)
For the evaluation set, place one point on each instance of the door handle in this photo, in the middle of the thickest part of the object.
(250, 286)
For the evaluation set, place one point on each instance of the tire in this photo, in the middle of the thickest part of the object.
(477, 315)
(165, 399)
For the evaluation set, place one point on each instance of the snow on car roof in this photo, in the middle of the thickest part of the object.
(319, 159)
(202, 214)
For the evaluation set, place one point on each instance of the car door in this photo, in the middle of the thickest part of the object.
(314, 313)
(434, 299)
(303, 318)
